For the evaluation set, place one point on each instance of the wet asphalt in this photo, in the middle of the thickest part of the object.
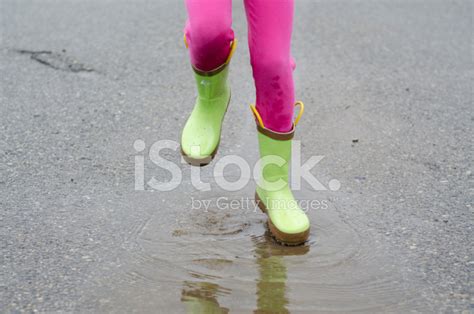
(388, 93)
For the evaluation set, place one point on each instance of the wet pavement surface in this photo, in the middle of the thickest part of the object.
(388, 93)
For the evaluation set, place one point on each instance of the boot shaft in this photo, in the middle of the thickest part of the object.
(275, 148)
(212, 84)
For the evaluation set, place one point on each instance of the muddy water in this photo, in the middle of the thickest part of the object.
(220, 259)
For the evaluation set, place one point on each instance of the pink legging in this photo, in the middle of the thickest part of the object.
(209, 34)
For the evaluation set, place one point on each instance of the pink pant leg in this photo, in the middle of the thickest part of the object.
(208, 32)
(270, 24)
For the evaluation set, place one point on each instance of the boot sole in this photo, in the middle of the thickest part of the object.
(290, 239)
(201, 162)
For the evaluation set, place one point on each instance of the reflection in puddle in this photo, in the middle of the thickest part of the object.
(201, 297)
(271, 284)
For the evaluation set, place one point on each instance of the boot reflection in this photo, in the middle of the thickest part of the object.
(271, 285)
(201, 297)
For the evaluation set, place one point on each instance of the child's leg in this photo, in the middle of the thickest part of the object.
(269, 31)
(209, 35)
(208, 32)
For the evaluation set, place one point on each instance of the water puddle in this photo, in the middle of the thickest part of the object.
(218, 257)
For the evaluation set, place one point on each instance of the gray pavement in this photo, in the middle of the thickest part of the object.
(388, 93)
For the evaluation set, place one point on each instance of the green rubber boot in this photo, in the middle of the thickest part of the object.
(287, 222)
(202, 131)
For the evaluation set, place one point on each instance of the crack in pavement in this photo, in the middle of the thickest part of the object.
(55, 60)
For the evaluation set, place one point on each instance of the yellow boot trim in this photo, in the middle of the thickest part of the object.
(257, 116)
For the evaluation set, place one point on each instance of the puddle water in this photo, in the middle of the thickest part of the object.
(218, 259)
